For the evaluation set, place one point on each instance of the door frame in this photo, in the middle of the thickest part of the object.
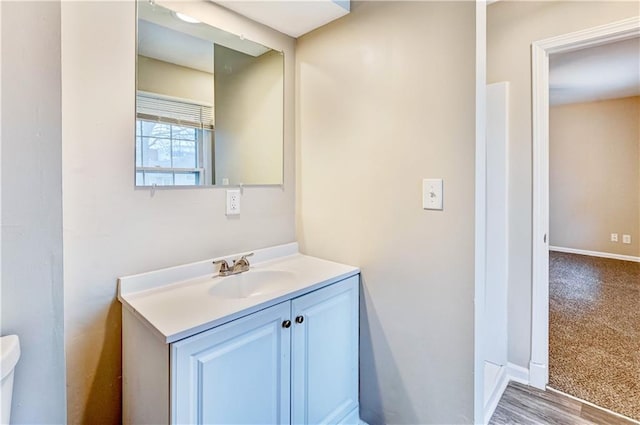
(540, 51)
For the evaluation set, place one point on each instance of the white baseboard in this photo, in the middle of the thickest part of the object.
(496, 393)
(508, 373)
(595, 253)
(518, 373)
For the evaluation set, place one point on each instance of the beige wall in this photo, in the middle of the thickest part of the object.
(112, 229)
(511, 28)
(248, 134)
(385, 98)
(594, 175)
(32, 286)
(166, 78)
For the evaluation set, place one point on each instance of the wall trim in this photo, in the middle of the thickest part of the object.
(540, 51)
(518, 374)
(480, 213)
(595, 253)
(510, 372)
(496, 394)
(538, 375)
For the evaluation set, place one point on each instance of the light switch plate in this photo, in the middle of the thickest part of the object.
(626, 239)
(233, 202)
(432, 193)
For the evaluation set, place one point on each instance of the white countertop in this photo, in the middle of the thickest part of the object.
(177, 302)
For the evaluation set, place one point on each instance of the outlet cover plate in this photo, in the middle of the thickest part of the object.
(233, 202)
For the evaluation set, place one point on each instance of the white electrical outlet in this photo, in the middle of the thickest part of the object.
(626, 238)
(432, 192)
(233, 202)
(614, 237)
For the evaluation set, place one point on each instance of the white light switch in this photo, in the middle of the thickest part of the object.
(626, 238)
(432, 194)
(233, 202)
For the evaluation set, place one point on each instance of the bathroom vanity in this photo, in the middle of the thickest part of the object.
(277, 344)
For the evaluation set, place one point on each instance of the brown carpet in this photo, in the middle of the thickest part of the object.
(594, 330)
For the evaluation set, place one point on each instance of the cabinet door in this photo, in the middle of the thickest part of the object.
(237, 373)
(324, 354)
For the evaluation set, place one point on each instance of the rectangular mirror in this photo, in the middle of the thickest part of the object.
(209, 104)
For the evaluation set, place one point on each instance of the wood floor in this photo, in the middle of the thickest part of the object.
(524, 405)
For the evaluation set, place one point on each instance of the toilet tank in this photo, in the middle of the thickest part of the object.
(9, 356)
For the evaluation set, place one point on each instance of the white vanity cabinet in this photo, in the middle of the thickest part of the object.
(236, 373)
(324, 355)
(295, 362)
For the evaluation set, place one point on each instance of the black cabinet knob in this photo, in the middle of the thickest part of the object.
(286, 324)
(299, 319)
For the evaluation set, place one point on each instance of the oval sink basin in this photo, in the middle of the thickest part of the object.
(252, 283)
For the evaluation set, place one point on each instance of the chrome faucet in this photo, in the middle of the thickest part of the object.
(241, 265)
(238, 266)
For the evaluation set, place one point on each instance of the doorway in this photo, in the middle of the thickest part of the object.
(541, 51)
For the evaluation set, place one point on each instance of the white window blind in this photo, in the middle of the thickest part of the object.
(152, 107)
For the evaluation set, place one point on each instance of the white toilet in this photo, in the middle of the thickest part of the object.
(9, 355)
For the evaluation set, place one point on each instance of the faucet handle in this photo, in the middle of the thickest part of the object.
(224, 266)
(243, 259)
